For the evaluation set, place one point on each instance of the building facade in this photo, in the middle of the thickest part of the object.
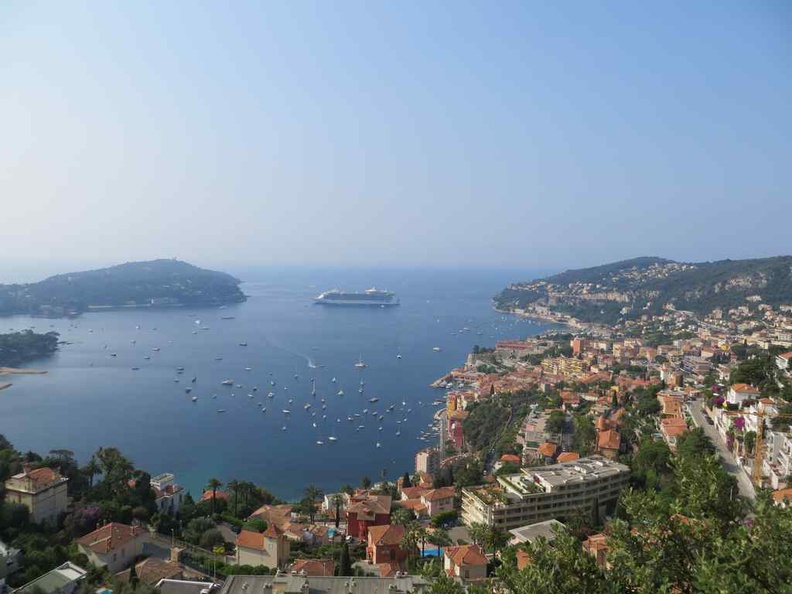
(549, 492)
(42, 491)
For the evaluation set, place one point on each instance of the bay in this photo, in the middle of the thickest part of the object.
(90, 398)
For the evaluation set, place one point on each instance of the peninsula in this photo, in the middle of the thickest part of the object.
(630, 289)
(156, 283)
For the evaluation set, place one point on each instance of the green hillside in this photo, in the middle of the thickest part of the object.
(632, 287)
(143, 284)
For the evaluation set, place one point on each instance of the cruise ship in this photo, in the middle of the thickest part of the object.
(369, 298)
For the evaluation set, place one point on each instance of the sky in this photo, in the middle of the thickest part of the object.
(370, 133)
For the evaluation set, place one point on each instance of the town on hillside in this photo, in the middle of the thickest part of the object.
(599, 451)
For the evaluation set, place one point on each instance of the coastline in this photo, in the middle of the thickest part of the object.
(18, 371)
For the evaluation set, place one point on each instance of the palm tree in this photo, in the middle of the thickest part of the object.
(441, 538)
(214, 485)
(248, 489)
(409, 541)
(91, 469)
(478, 532)
(422, 534)
(401, 516)
(234, 485)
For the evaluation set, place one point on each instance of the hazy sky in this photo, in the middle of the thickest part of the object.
(537, 134)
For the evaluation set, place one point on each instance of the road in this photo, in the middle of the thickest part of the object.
(743, 482)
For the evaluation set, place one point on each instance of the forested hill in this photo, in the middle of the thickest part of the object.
(137, 284)
(645, 285)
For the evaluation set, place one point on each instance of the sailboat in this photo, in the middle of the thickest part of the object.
(360, 364)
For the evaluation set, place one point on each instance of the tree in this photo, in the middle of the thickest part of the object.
(615, 401)
(91, 469)
(441, 538)
(133, 577)
(409, 541)
(312, 493)
(496, 539)
(213, 485)
(402, 516)
(750, 441)
(211, 538)
(443, 584)
(344, 561)
(557, 568)
(338, 501)
(365, 482)
(406, 482)
(478, 533)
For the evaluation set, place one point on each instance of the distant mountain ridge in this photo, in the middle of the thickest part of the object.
(630, 288)
(134, 284)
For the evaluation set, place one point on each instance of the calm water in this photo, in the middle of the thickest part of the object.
(91, 399)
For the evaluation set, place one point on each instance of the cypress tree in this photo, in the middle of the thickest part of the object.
(344, 563)
(406, 482)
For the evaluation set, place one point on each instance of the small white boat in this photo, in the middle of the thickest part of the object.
(379, 445)
(398, 356)
(360, 364)
(319, 442)
(333, 380)
(195, 398)
(331, 438)
(375, 399)
(307, 406)
(227, 382)
(286, 411)
(248, 369)
(436, 349)
(340, 392)
(221, 410)
(242, 344)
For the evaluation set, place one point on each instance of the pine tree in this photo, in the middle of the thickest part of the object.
(615, 401)
(406, 482)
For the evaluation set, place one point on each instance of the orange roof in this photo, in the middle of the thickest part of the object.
(744, 388)
(257, 540)
(568, 456)
(609, 440)
(389, 534)
(412, 492)
(523, 558)
(414, 504)
(441, 493)
(674, 426)
(110, 537)
(314, 567)
(782, 494)
(548, 449)
(372, 504)
(510, 459)
(207, 495)
(466, 555)
(787, 355)
(274, 514)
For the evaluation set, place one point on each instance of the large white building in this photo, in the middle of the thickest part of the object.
(549, 492)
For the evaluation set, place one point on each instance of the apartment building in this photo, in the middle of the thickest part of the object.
(545, 493)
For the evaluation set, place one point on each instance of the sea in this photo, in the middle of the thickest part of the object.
(116, 380)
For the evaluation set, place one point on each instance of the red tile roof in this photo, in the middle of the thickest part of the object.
(372, 504)
(441, 493)
(314, 567)
(548, 449)
(609, 440)
(389, 534)
(110, 537)
(413, 492)
(466, 555)
(568, 456)
(510, 459)
(207, 495)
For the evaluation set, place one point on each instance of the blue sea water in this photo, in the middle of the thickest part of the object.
(90, 398)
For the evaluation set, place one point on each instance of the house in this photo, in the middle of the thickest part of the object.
(784, 361)
(152, 570)
(64, 579)
(383, 546)
(313, 567)
(269, 548)
(782, 497)
(42, 491)
(219, 495)
(439, 500)
(548, 451)
(113, 545)
(609, 443)
(465, 561)
(597, 545)
(671, 428)
(739, 393)
(366, 511)
(567, 456)
(329, 503)
(279, 515)
(168, 495)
